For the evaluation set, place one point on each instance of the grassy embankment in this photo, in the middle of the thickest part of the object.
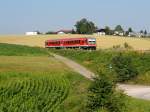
(31, 80)
(102, 59)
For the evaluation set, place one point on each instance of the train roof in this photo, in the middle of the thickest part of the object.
(83, 38)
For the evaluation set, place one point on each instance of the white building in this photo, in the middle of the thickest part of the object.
(31, 33)
(101, 32)
(119, 33)
(60, 32)
(64, 32)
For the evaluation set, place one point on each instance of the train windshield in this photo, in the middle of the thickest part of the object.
(92, 41)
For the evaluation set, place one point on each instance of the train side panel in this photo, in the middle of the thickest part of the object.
(83, 43)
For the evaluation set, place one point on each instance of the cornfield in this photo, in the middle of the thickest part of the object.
(20, 92)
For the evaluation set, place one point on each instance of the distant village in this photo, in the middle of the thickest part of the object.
(87, 27)
(100, 32)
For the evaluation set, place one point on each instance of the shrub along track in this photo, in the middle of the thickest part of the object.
(141, 92)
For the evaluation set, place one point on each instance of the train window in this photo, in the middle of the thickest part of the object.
(91, 41)
(78, 41)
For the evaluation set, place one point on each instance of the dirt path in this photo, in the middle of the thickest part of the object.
(141, 92)
(75, 66)
(136, 91)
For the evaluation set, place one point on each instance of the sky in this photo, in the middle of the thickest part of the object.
(20, 16)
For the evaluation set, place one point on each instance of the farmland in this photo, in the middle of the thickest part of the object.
(26, 92)
(103, 42)
(31, 80)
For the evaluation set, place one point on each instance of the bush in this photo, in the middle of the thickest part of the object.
(124, 68)
(102, 96)
(127, 46)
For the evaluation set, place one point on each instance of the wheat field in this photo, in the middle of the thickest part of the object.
(103, 42)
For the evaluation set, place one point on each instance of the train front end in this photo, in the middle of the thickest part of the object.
(91, 43)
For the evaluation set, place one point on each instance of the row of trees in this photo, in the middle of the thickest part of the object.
(88, 27)
(85, 26)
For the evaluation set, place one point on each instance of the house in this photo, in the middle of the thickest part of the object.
(64, 32)
(31, 33)
(135, 34)
(101, 32)
(132, 34)
(119, 33)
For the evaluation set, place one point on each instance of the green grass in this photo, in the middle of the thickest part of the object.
(19, 69)
(95, 60)
(17, 50)
(24, 75)
(25, 87)
(32, 92)
(76, 100)
(99, 59)
(137, 105)
(31, 64)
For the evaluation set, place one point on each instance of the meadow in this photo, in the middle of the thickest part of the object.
(102, 59)
(32, 80)
(103, 42)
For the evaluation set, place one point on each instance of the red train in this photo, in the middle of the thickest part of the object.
(81, 43)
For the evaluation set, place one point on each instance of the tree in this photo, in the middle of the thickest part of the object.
(73, 31)
(85, 27)
(130, 30)
(124, 68)
(107, 30)
(38, 32)
(119, 28)
(50, 32)
(102, 95)
(141, 31)
(145, 32)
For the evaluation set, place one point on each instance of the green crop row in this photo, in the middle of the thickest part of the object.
(32, 93)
